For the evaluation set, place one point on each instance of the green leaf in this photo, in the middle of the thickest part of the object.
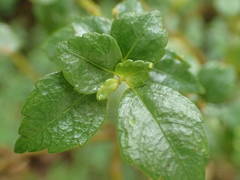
(57, 118)
(127, 6)
(108, 87)
(218, 39)
(218, 80)
(77, 28)
(134, 73)
(56, 13)
(162, 133)
(89, 60)
(172, 71)
(50, 46)
(140, 36)
(229, 114)
(92, 24)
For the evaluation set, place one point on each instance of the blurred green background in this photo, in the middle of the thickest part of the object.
(206, 33)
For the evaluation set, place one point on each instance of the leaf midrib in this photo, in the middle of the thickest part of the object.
(90, 62)
(139, 36)
(163, 132)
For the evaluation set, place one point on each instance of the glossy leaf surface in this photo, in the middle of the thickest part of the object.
(89, 60)
(172, 71)
(77, 28)
(140, 36)
(91, 24)
(57, 118)
(134, 73)
(162, 133)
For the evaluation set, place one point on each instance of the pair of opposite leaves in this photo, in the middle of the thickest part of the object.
(160, 131)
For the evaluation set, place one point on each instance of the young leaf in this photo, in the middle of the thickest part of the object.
(134, 73)
(127, 6)
(172, 71)
(162, 133)
(88, 61)
(219, 81)
(107, 88)
(77, 28)
(140, 36)
(57, 118)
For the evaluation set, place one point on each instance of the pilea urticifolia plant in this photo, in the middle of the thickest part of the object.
(123, 70)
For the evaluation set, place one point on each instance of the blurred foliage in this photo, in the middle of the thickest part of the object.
(219, 82)
(206, 33)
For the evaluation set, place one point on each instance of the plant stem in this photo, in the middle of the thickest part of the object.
(116, 165)
(112, 107)
(113, 102)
